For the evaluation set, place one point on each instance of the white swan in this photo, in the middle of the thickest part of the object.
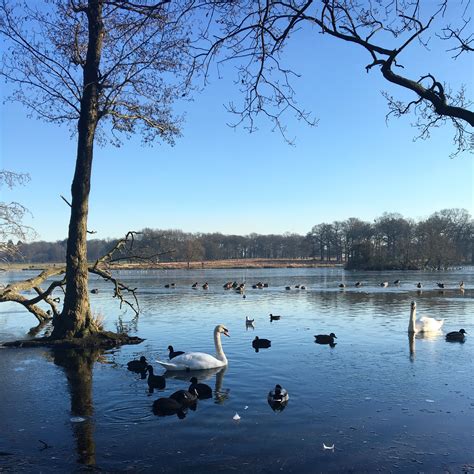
(423, 324)
(200, 360)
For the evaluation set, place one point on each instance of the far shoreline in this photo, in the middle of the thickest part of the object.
(251, 263)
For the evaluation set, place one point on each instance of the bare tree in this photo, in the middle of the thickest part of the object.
(254, 33)
(11, 217)
(106, 68)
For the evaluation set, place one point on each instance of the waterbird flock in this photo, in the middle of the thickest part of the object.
(180, 401)
(240, 287)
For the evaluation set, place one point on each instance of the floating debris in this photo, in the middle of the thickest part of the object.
(331, 448)
(77, 419)
(236, 417)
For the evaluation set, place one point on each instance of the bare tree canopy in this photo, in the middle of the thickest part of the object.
(255, 33)
(141, 64)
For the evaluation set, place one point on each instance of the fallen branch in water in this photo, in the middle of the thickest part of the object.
(124, 249)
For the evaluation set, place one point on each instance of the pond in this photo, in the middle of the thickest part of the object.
(380, 400)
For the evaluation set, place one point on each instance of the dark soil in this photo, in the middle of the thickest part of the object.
(101, 340)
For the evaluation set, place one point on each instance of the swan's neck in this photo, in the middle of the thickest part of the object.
(219, 352)
(411, 324)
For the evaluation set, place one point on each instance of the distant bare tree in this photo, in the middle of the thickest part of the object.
(11, 217)
(255, 33)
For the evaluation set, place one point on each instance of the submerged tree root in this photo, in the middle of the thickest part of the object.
(100, 340)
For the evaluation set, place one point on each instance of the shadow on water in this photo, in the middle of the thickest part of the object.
(78, 366)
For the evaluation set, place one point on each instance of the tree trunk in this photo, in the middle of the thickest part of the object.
(76, 318)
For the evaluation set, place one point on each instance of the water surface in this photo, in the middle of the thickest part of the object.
(384, 402)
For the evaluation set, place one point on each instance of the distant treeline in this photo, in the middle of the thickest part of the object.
(444, 239)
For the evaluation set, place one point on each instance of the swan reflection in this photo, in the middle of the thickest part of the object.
(205, 374)
(412, 346)
(220, 394)
(427, 336)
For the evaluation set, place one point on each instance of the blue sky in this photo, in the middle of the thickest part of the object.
(220, 179)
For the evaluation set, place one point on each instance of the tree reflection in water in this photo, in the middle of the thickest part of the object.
(78, 365)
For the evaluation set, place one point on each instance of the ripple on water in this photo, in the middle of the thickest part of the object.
(127, 412)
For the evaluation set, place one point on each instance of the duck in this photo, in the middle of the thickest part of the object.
(205, 286)
(138, 365)
(302, 287)
(155, 381)
(423, 324)
(195, 284)
(440, 285)
(248, 321)
(358, 284)
(325, 338)
(419, 285)
(200, 360)
(342, 285)
(456, 335)
(461, 286)
(396, 282)
(174, 353)
(384, 284)
(287, 287)
(184, 398)
(168, 406)
(202, 390)
(278, 395)
(258, 343)
(274, 317)
(95, 291)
